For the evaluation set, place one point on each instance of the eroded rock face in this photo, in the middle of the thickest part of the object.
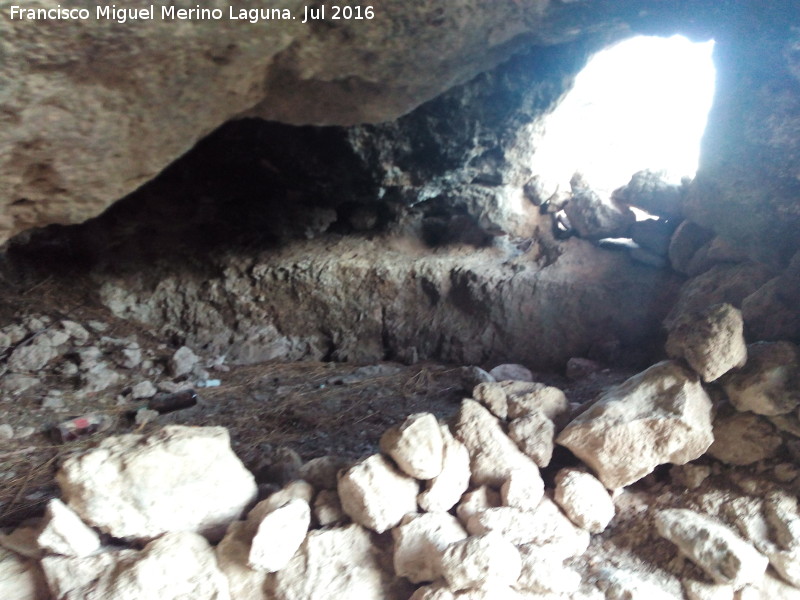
(658, 416)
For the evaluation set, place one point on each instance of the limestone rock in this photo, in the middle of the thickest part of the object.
(493, 396)
(477, 501)
(659, 416)
(174, 567)
(711, 341)
(340, 563)
(176, 479)
(787, 564)
(20, 579)
(544, 527)
(724, 556)
(322, 472)
(233, 554)
(699, 590)
(622, 584)
(419, 541)
(584, 499)
(64, 533)
(492, 454)
(543, 573)
(729, 284)
(523, 489)
(444, 491)
(511, 372)
(743, 439)
(687, 239)
(481, 561)
(328, 509)
(416, 446)
(279, 535)
(143, 389)
(377, 495)
(528, 398)
(183, 361)
(653, 235)
(593, 217)
(535, 436)
(770, 382)
(650, 191)
(33, 356)
(295, 490)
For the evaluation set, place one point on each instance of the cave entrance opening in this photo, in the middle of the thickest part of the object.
(640, 104)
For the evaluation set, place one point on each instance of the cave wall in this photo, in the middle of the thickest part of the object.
(748, 184)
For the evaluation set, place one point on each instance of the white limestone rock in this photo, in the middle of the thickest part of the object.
(781, 513)
(477, 501)
(744, 439)
(770, 382)
(444, 491)
(175, 479)
(710, 340)
(143, 389)
(419, 542)
(341, 563)
(511, 372)
(322, 472)
(534, 434)
(416, 446)
(621, 584)
(279, 535)
(376, 495)
(294, 490)
(527, 398)
(787, 564)
(546, 526)
(700, 590)
(712, 546)
(183, 361)
(327, 509)
(544, 573)
(584, 500)
(661, 415)
(493, 396)
(493, 456)
(480, 562)
(20, 579)
(32, 356)
(594, 217)
(176, 566)
(64, 533)
(523, 489)
(233, 554)
(437, 591)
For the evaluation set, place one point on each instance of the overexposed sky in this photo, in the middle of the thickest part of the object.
(642, 103)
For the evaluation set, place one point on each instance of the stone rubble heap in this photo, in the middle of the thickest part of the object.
(449, 511)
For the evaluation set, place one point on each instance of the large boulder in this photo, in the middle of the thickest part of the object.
(659, 416)
(142, 486)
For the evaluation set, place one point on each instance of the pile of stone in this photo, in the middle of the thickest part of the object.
(55, 360)
(443, 511)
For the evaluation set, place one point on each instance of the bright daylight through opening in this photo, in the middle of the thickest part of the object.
(641, 104)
